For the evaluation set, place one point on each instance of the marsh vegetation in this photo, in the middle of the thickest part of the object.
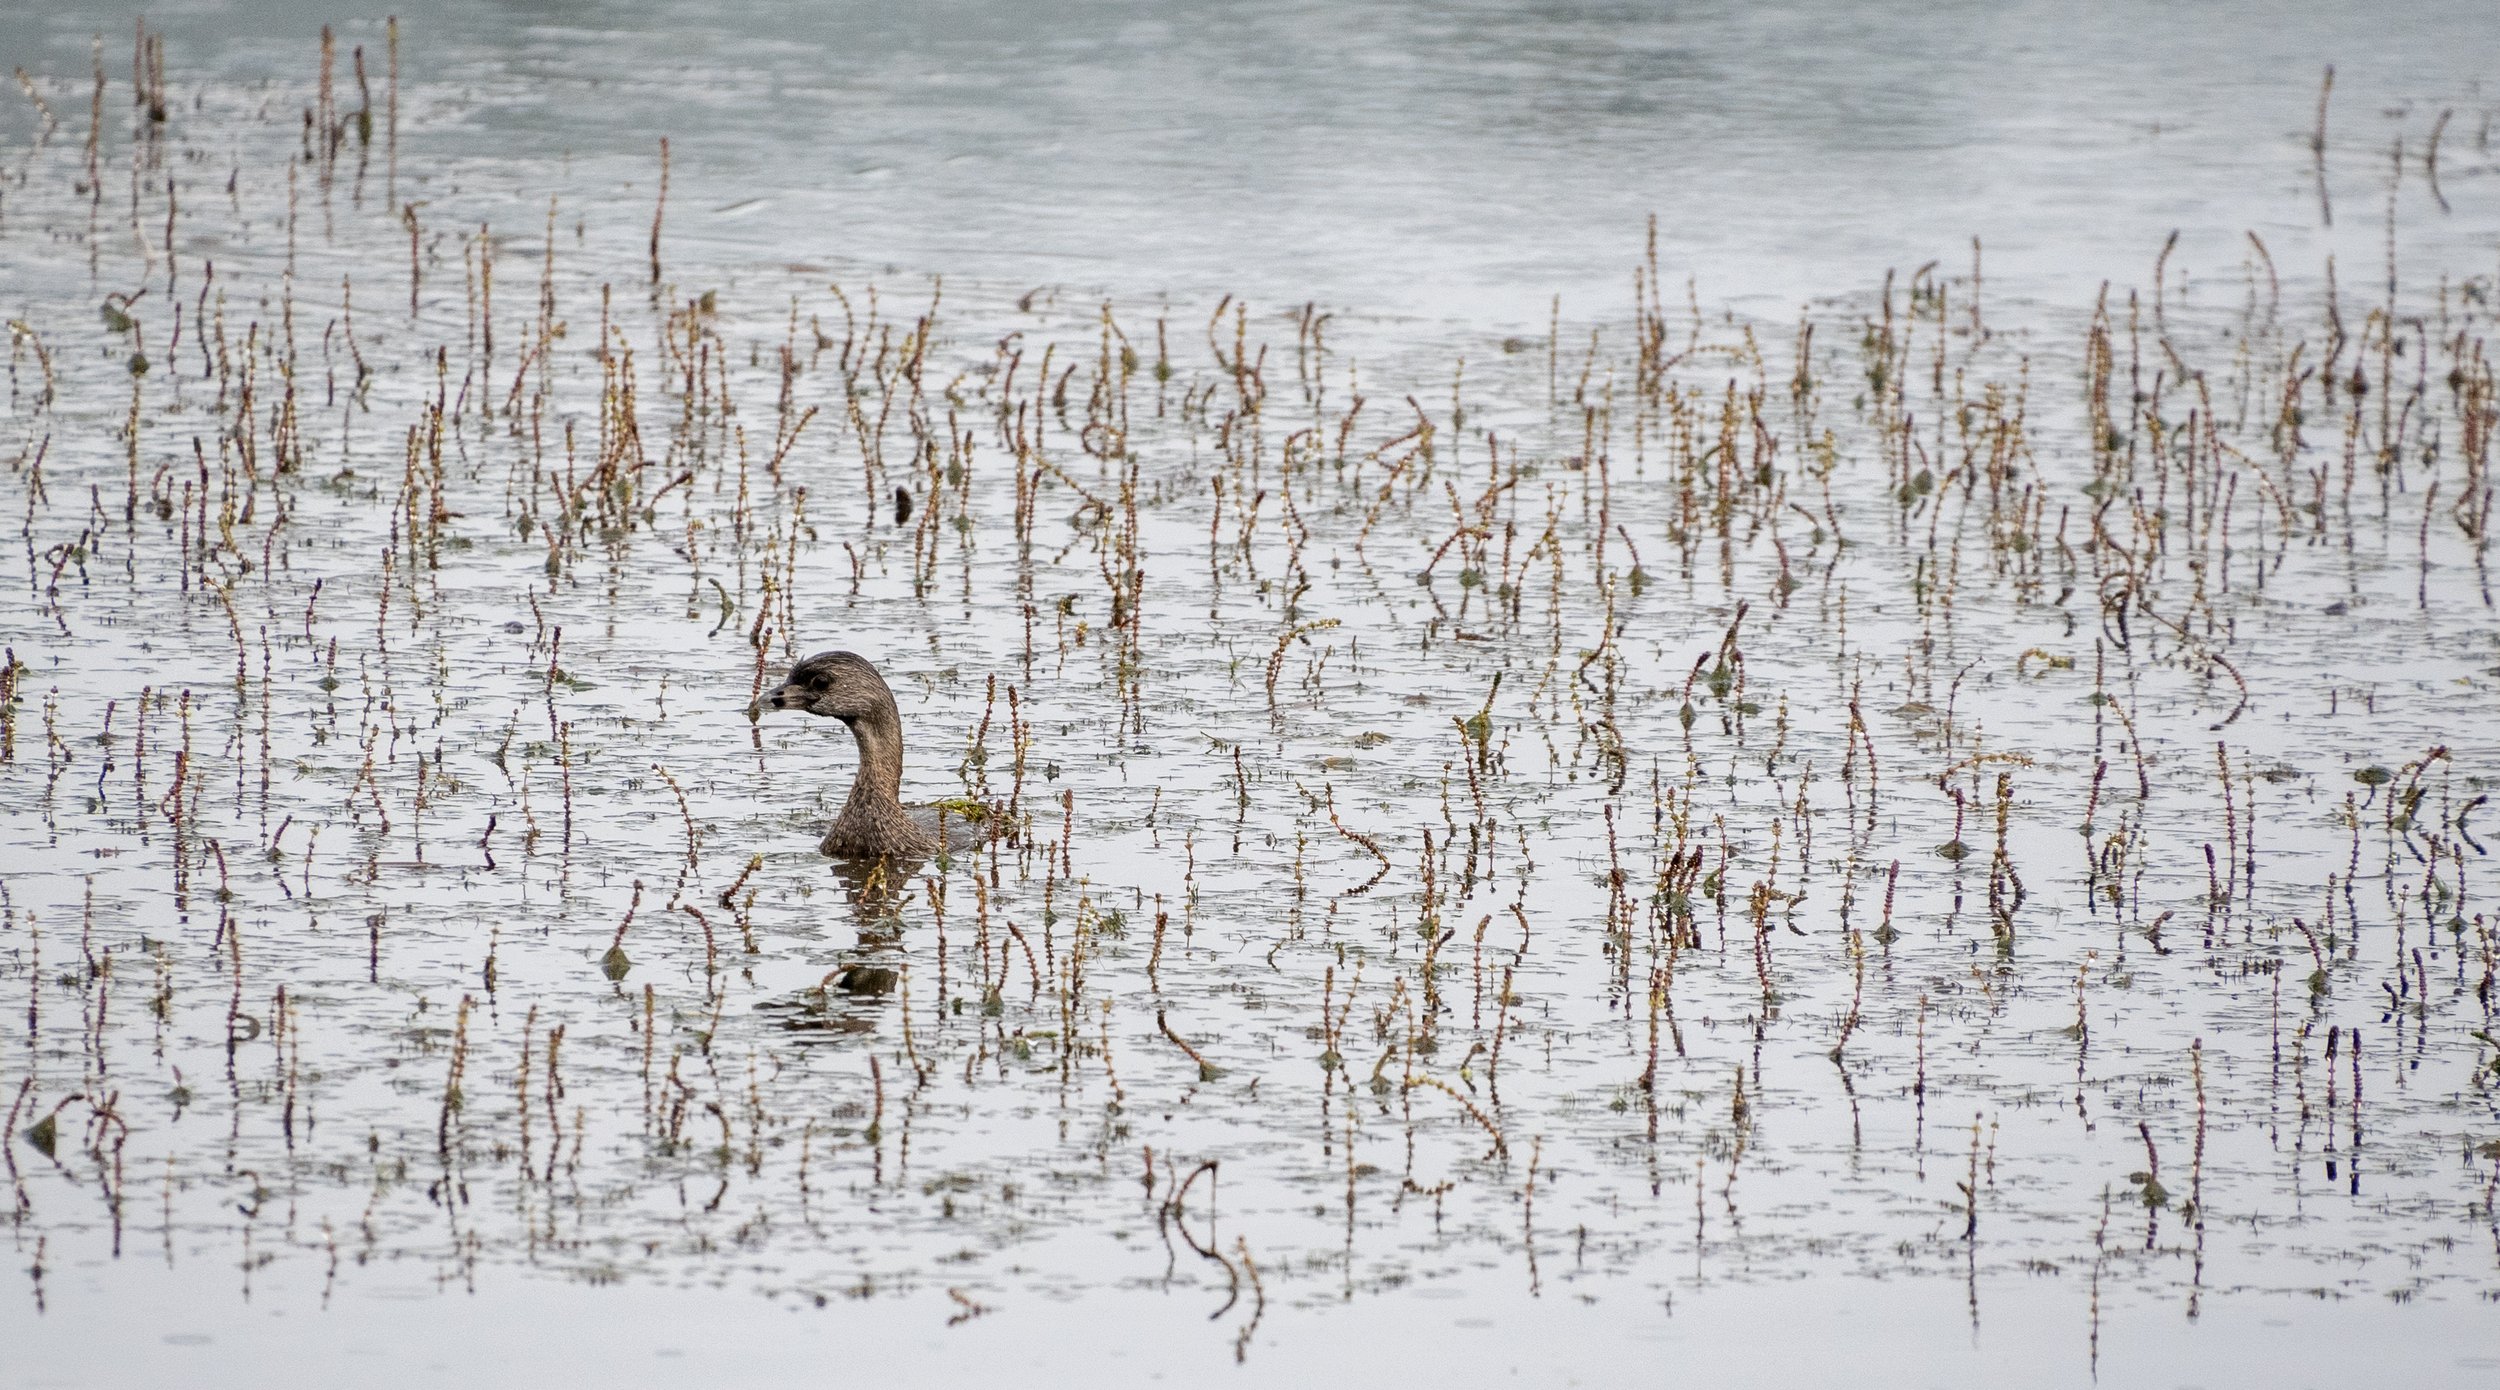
(1915, 790)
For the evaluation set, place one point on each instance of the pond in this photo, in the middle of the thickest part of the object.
(1791, 695)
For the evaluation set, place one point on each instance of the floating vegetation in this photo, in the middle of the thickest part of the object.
(1683, 801)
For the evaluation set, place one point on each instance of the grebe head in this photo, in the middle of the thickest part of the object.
(837, 685)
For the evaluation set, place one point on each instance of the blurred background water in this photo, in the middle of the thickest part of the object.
(1450, 160)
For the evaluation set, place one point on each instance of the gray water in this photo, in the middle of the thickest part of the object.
(1462, 162)
(1877, 807)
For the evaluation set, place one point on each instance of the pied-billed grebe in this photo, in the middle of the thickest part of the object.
(874, 824)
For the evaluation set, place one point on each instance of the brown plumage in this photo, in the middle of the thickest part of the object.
(874, 824)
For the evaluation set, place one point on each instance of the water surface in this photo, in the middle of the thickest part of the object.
(1938, 807)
